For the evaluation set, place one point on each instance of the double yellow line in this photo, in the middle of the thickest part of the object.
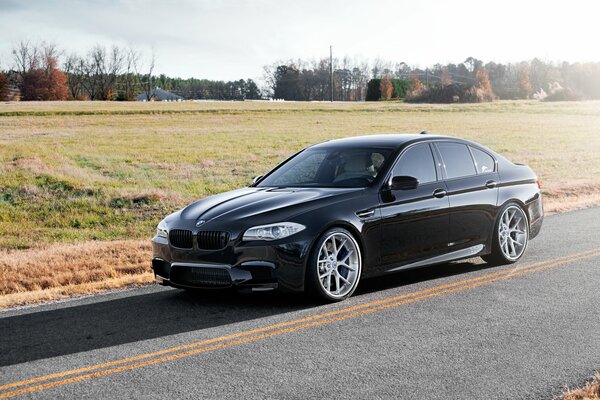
(203, 346)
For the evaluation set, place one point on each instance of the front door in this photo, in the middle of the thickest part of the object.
(414, 222)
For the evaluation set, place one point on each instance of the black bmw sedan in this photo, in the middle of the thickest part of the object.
(348, 209)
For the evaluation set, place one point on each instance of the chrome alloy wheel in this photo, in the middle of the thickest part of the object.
(339, 264)
(512, 232)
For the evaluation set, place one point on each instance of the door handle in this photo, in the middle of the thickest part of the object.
(439, 193)
(365, 213)
(491, 184)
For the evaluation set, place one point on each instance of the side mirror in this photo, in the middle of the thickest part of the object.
(402, 182)
(256, 179)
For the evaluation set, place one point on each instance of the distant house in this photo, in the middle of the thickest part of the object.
(159, 94)
(14, 92)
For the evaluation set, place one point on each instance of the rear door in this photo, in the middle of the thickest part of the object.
(471, 177)
(414, 222)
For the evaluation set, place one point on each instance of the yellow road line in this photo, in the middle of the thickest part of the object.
(321, 319)
(279, 325)
(275, 326)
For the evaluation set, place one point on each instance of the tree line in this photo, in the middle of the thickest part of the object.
(473, 79)
(42, 71)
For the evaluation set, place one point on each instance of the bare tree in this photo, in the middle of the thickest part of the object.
(74, 67)
(403, 70)
(91, 72)
(48, 54)
(110, 72)
(381, 68)
(26, 57)
(361, 79)
(130, 79)
(269, 79)
(100, 72)
(39, 77)
(29, 56)
(144, 73)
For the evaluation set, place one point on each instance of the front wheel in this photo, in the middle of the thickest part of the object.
(511, 235)
(335, 266)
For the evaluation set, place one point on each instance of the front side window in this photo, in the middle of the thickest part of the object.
(417, 162)
(457, 160)
(483, 161)
(329, 167)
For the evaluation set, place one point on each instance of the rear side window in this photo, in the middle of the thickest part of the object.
(457, 160)
(483, 161)
(417, 162)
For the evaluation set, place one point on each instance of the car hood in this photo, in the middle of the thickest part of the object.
(249, 202)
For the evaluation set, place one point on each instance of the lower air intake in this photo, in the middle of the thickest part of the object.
(200, 276)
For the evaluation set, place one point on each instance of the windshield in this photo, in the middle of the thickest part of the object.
(329, 167)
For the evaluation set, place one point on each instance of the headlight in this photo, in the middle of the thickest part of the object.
(162, 230)
(276, 231)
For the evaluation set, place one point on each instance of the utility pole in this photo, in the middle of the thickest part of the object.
(331, 70)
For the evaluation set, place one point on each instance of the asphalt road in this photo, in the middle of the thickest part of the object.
(461, 330)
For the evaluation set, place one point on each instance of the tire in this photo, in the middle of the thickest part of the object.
(334, 267)
(511, 236)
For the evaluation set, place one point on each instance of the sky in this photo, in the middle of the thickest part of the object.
(233, 39)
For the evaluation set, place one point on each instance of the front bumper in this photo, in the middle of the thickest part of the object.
(214, 276)
(254, 267)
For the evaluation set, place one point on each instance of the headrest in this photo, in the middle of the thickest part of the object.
(356, 164)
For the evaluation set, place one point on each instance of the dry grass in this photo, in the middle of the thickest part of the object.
(83, 184)
(591, 391)
(53, 294)
(567, 197)
(60, 270)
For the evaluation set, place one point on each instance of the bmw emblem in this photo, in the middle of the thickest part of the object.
(200, 222)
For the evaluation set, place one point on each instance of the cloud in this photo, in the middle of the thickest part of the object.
(231, 39)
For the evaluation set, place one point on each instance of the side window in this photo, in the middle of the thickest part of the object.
(417, 162)
(483, 161)
(457, 159)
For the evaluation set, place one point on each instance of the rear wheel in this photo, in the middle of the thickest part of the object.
(335, 266)
(511, 235)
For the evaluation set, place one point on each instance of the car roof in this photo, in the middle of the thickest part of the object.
(392, 140)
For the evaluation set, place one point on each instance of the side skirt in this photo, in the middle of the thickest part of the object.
(452, 256)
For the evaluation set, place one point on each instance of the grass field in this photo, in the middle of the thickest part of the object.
(75, 176)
